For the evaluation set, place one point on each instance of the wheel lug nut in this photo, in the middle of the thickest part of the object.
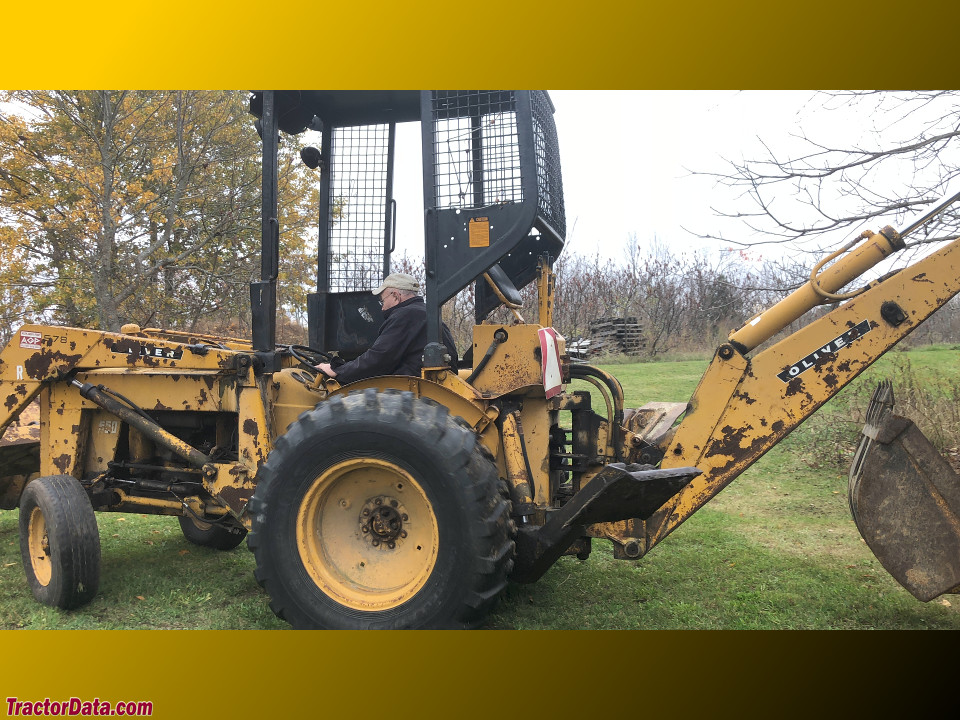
(394, 503)
(391, 545)
(378, 501)
(403, 533)
(366, 529)
(366, 512)
(376, 543)
(404, 517)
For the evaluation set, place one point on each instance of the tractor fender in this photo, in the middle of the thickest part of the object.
(457, 396)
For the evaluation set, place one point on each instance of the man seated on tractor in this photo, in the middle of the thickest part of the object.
(398, 349)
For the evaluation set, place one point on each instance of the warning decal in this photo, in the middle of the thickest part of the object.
(30, 340)
(479, 232)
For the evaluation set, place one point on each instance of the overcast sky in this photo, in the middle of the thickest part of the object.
(626, 157)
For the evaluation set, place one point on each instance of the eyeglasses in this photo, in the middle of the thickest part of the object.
(382, 299)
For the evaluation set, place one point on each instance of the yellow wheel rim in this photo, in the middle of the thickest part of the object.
(367, 534)
(39, 546)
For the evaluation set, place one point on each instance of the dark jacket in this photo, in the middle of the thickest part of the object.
(398, 349)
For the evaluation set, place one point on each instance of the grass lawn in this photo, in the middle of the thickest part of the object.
(776, 549)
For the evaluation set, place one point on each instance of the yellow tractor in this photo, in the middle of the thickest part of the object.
(410, 502)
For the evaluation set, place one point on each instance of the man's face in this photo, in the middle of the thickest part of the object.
(389, 298)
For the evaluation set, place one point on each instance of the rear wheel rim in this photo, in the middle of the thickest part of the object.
(367, 534)
(39, 545)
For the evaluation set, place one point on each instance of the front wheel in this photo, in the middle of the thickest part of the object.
(379, 510)
(219, 536)
(59, 542)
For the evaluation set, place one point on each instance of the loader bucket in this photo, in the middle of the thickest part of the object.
(905, 499)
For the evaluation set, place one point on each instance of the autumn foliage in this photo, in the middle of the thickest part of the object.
(139, 206)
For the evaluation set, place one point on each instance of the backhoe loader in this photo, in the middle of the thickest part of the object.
(410, 502)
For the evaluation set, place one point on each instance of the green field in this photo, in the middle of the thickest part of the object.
(777, 549)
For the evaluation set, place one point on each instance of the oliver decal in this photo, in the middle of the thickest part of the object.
(814, 358)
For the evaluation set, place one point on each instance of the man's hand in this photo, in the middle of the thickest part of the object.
(326, 369)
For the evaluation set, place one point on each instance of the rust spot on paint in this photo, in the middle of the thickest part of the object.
(62, 462)
(250, 427)
(236, 497)
(38, 365)
(10, 401)
(160, 406)
(730, 444)
(794, 387)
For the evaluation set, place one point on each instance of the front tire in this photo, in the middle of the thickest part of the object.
(379, 510)
(210, 534)
(59, 542)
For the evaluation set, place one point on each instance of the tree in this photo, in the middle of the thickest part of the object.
(16, 285)
(143, 206)
(889, 175)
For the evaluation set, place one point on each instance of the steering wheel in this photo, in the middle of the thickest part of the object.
(308, 356)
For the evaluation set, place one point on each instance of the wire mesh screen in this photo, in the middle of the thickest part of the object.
(358, 206)
(549, 182)
(476, 153)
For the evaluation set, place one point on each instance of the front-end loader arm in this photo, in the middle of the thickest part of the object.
(39, 354)
(69, 371)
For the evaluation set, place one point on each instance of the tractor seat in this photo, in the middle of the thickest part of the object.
(503, 287)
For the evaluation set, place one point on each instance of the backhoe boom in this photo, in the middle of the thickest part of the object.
(744, 406)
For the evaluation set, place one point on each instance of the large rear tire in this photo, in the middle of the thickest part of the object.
(379, 510)
(59, 542)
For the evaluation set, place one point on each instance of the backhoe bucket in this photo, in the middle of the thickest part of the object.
(905, 499)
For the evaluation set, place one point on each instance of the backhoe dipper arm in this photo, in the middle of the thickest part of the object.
(744, 406)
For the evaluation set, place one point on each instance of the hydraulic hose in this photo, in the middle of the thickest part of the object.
(498, 337)
(582, 372)
(146, 425)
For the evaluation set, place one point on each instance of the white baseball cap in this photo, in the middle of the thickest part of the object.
(398, 281)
